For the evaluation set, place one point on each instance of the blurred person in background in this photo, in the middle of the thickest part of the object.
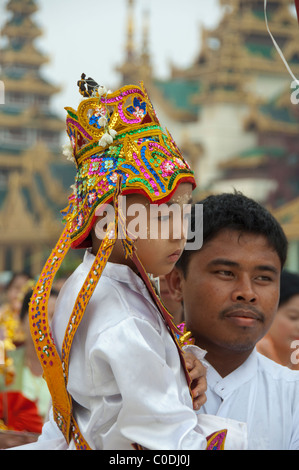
(25, 402)
(10, 309)
(283, 336)
(11, 330)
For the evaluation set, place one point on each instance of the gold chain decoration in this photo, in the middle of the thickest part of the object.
(90, 285)
(44, 343)
(82, 300)
(46, 349)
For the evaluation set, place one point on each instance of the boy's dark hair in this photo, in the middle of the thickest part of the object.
(235, 211)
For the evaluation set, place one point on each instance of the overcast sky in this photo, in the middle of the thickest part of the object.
(89, 36)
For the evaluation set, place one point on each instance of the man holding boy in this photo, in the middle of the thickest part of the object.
(115, 369)
(230, 290)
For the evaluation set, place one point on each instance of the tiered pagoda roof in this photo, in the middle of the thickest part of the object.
(34, 177)
(240, 48)
(27, 93)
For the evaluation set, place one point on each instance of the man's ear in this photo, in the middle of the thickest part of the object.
(174, 281)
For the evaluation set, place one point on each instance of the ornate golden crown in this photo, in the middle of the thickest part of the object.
(117, 134)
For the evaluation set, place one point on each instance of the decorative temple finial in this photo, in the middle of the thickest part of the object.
(130, 47)
(145, 37)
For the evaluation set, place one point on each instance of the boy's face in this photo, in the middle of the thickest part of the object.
(164, 237)
(230, 292)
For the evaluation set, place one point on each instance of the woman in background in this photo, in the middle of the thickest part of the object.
(282, 339)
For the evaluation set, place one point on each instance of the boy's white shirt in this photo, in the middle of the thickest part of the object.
(116, 405)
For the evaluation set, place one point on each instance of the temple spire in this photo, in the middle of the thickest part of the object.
(145, 37)
(136, 65)
(25, 117)
(32, 172)
(145, 59)
(130, 46)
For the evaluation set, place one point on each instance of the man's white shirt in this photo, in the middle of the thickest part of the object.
(263, 394)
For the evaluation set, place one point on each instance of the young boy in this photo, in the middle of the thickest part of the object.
(120, 381)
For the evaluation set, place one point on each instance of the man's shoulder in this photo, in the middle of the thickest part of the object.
(275, 371)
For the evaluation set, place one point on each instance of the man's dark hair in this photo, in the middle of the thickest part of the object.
(235, 211)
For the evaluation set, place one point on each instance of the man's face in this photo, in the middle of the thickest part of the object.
(231, 291)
